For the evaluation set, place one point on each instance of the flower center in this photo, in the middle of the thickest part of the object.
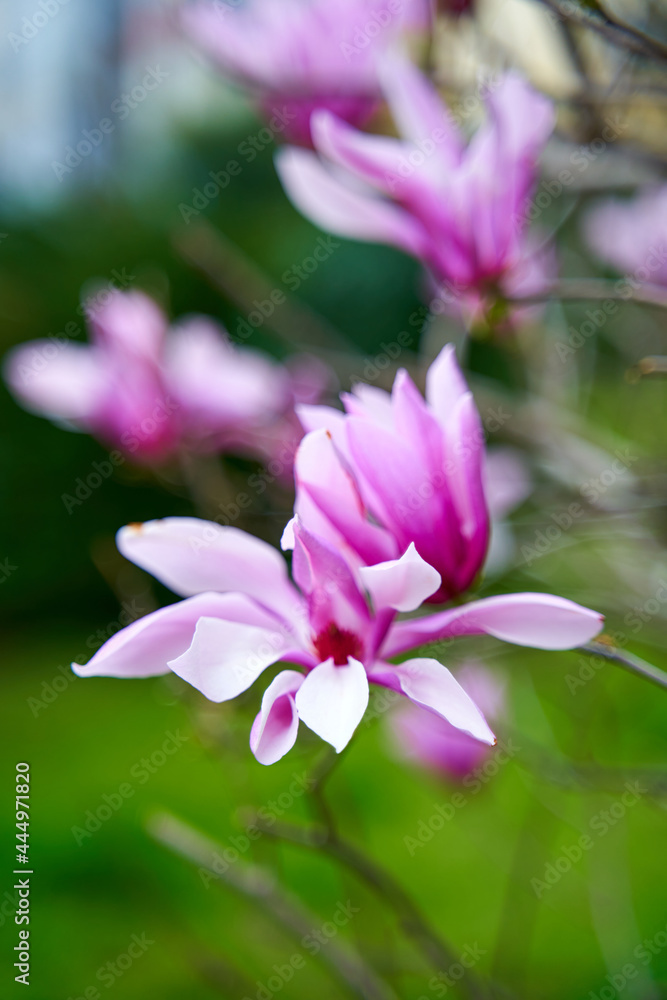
(337, 644)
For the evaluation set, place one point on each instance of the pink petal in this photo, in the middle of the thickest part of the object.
(372, 158)
(540, 620)
(323, 574)
(416, 107)
(329, 503)
(507, 480)
(130, 323)
(61, 380)
(191, 556)
(275, 729)
(445, 384)
(402, 584)
(332, 701)
(219, 385)
(226, 657)
(144, 648)
(427, 683)
(337, 206)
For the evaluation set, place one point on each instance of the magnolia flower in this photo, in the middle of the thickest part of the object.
(242, 614)
(458, 208)
(397, 469)
(146, 390)
(431, 741)
(632, 235)
(301, 55)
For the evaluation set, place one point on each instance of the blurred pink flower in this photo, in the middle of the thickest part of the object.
(632, 235)
(302, 55)
(242, 614)
(431, 741)
(458, 208)
(147, 390)
(396, 469)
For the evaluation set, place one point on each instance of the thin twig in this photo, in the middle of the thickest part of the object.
(583, 289)
(261, 887)
(634, 664)
(623, 35)
(440, 954)
(243, 282)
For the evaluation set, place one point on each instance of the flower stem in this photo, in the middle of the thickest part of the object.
(634, 664)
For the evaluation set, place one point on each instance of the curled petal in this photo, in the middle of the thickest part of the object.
(427, 683)
(332, 701)
(402, 584)
(275, 729)
(191, 556)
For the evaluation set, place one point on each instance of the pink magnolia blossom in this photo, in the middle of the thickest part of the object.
(399, 469)
(301, 55)
(242, 614)
(632, 235)
(429, 740)
(460, 209)
(148, 390)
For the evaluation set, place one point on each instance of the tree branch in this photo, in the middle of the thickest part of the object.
(617, 32)
(583, 289)
(410, 918)
(633, 664)
(260, 887)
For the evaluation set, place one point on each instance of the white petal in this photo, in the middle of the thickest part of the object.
(226, 657)
(429, 684)
(191, 556)
(332, 701)
(402, 584)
